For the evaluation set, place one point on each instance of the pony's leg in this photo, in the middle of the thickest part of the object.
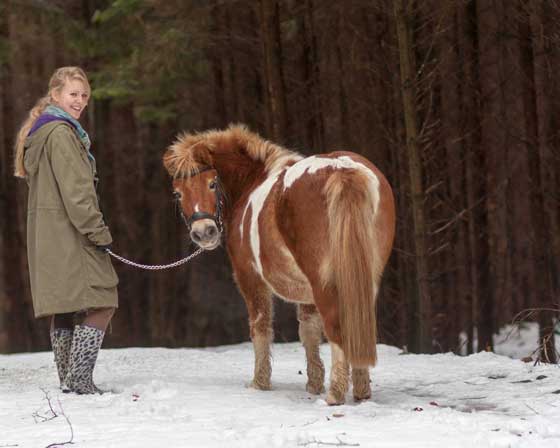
(260, 324)
(326, 303)
(360, 383)
(339, 376)
(258, 299)
(310, 330)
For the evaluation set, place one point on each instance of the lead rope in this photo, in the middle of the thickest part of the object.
(156, 267)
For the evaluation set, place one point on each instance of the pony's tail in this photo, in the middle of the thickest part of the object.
(355, 263)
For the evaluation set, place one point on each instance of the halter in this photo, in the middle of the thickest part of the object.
(218, 191)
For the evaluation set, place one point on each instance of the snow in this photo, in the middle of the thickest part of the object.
(520, 340)
(168, 398)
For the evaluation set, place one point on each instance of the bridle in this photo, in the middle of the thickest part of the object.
(220, 200)
(217, 218)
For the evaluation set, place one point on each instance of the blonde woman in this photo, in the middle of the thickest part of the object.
(72, 278)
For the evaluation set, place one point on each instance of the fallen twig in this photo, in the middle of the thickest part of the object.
(311, 422)
(314, 441)
(44, 418)
(532, 409)
(69, 442)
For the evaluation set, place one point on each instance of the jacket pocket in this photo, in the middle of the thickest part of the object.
(100, 271)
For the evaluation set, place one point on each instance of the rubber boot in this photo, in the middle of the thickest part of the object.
(61, 342)
(86, 343)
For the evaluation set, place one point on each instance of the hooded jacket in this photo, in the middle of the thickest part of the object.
(64, 224)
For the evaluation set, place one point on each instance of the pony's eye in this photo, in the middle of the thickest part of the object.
(212, 185)
(176, 195)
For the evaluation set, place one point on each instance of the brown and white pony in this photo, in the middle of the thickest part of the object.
(315, 231)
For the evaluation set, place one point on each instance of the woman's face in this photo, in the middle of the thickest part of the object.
(72, 98)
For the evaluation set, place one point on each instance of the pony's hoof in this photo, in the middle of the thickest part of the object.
(334, 399)
(359, 398)
(315, 389)
(260, 386)
(362, 394)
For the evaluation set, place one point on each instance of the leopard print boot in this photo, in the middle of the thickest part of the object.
(61, 342)
(86, 343)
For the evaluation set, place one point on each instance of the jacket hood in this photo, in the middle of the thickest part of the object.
(35, 143)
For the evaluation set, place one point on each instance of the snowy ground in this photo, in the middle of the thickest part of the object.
(520, 340)
(167, 398)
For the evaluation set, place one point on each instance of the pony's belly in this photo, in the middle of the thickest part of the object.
(292, 290)
(287, 280)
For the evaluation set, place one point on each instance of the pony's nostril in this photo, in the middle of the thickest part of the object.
(196, 236)
(211, 231)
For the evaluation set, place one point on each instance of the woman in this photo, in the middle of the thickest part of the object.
(72, 278)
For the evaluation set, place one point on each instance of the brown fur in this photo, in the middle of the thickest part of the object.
(192, 151)
(322, 243)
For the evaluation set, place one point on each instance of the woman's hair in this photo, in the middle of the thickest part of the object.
(56, 84)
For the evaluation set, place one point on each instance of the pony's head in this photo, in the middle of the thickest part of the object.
(239, 154)
(197, 189)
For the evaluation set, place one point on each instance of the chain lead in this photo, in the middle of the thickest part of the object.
(156, 267)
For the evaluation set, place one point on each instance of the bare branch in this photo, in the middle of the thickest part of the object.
(69, 442)
(44, 418)
(54, 415)
(339, 442)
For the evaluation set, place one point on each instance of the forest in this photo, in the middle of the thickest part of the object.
(455, 101)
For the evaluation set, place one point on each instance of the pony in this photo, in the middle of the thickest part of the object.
(315, 231)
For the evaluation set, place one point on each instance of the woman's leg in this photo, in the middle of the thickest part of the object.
(65, 321)
(62, 330)
(86, 343)
(98, 318)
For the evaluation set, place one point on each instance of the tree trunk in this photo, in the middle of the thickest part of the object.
(493, 136)
(218, 70)
(272, 66)
(23, 330)
(453, 138)
(474, 172)
(5, 173)
(314, 128)
(540, 164)
(406, 55)
(516, 51)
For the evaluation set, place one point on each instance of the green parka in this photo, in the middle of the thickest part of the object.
(64, 224)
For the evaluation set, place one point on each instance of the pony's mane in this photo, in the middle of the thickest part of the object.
(192, 152)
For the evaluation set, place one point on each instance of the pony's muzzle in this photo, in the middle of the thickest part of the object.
(205, 233)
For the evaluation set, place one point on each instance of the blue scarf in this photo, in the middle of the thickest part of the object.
(53, 113)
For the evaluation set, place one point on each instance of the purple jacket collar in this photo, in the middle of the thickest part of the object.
(44, 119)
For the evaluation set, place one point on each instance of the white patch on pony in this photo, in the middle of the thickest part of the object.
(314, 163)
(243, 220)
(196, 208)
(256, 201)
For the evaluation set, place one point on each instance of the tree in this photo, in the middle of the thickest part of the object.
(403, 20)
(272, 61)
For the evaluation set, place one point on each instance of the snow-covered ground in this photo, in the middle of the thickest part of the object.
(167, 398)
(520, 340)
